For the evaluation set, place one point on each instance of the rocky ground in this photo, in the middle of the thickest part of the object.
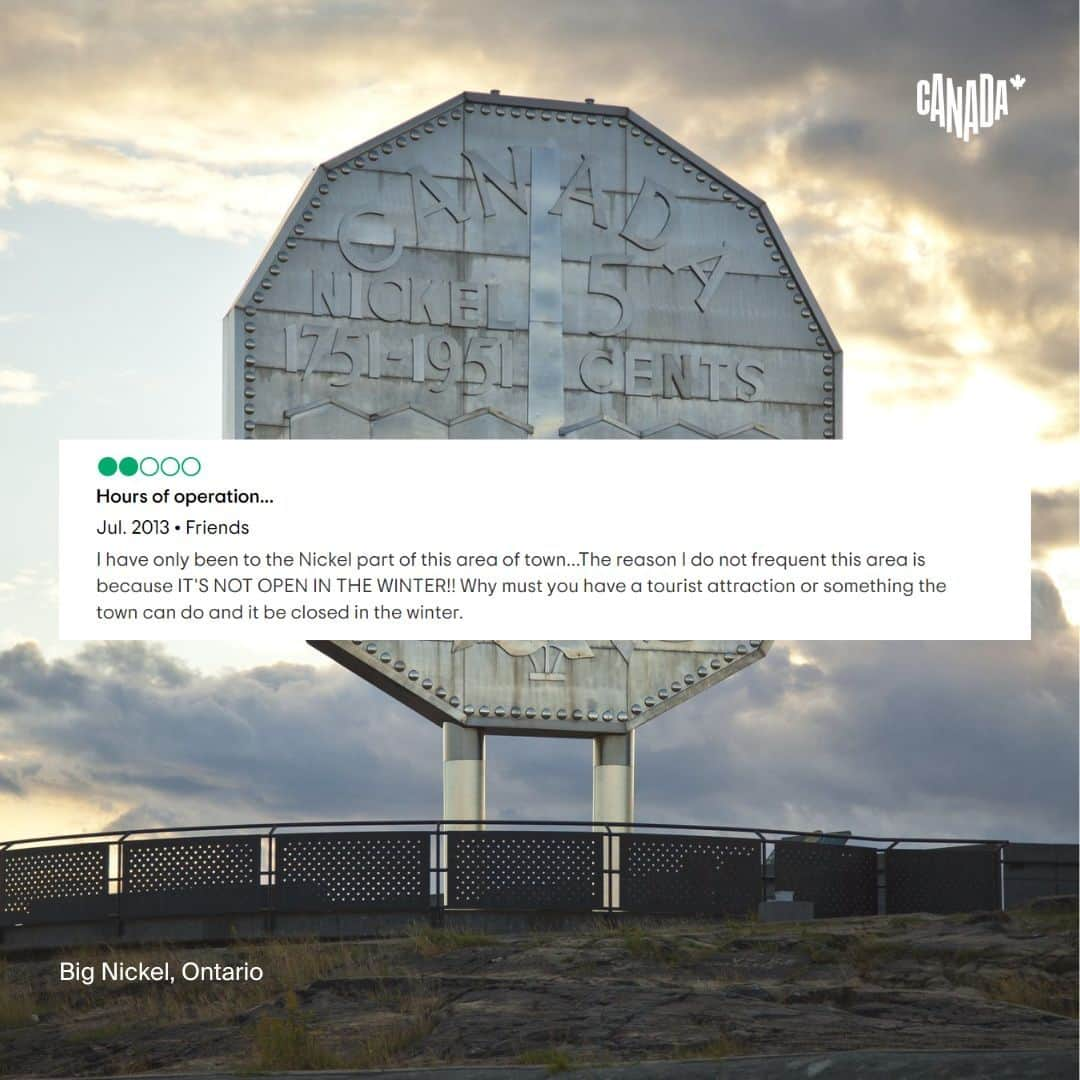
(601, 994)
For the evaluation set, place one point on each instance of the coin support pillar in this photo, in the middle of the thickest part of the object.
(464, 774)
(613, 778)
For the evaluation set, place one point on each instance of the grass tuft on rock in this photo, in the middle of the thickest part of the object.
(388, 1047)
(1032, 992)
(722, 1046)
(18, 1006)
(430, 941)
(288, 1042)
(557, 1058)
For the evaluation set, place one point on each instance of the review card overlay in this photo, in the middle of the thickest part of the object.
(424, 539)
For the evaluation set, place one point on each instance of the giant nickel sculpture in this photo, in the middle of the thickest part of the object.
(510, 268)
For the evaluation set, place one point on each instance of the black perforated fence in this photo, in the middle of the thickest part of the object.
(690, 875)
(191, 876)
(525, 871)
(54, 882)
(342, 871)
(943, 880)
(841, 880)
(428, 867)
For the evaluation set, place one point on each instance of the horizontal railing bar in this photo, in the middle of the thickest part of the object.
(120, 835)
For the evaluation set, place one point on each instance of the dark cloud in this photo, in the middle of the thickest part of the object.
(927, 738)
(284, 740)
(823, 141)
(919, 738)
(1054, 520)
(837, 78)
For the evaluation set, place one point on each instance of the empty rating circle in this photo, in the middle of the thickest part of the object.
(148, 466)
(191, 466)
(107, 466)
(170, 466)
(129, 466)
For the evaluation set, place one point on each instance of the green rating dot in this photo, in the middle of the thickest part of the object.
(106, 466)
(129, 466)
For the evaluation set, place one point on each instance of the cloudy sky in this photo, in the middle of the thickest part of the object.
(148, 149)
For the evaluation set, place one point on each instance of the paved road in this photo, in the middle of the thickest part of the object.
(849, 1065)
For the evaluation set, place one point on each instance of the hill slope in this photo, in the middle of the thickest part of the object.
(674, 990)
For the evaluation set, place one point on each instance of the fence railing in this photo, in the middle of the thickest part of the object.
(281, 869)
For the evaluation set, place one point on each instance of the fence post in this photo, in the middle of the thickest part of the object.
(613, 869)
(271, 879)
(441, 886)
(121, 882)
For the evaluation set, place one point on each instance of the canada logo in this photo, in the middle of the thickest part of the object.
(964, 107)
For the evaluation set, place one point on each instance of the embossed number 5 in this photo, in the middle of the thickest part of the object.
(597, 265)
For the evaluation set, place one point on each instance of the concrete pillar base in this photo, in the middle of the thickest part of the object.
(613, 779)
(464, 775)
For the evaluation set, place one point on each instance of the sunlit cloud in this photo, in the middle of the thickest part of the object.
(40, 577)
(176, 194)
(19, 387)
(890, 403)
(1063, 566)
